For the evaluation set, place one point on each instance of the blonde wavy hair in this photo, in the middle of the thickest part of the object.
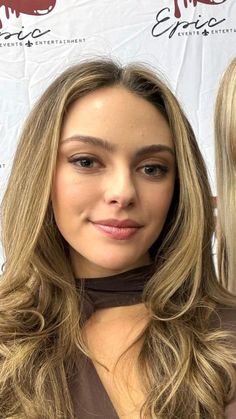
(187, 362)
(225, 146)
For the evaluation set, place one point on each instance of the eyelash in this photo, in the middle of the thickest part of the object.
(76, 160)
(162, 169)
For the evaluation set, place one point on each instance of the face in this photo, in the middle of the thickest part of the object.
(113, 182)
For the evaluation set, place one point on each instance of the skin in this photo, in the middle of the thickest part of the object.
(95, 182)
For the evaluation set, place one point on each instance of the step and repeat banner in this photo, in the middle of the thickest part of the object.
(190, 42)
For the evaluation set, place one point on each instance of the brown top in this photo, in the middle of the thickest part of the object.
(89, 396)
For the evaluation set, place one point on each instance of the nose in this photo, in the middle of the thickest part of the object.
(120, 189)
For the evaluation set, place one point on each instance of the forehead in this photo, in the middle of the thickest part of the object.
(117, 115)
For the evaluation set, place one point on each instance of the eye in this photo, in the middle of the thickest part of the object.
(84, 162)
(154, 170)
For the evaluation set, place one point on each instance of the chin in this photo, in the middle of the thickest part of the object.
(92, 264)
(118, 264)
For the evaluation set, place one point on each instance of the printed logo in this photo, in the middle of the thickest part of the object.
(169, 22)
(27, 7)
(194, 3)
(34, 37)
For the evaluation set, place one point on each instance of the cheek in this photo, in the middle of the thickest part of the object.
(160, 201)
(69, 194)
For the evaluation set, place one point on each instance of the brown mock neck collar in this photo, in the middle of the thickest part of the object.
(117, 290)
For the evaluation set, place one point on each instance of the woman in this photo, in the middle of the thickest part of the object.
(110, 305)
(225, 143)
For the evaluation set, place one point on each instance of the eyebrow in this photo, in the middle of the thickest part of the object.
(100, 142)
(87, 139)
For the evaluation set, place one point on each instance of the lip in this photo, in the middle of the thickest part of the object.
(117, 229)
(112, 222)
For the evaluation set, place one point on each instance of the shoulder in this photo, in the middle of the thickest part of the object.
(224, 318)
(230, 412)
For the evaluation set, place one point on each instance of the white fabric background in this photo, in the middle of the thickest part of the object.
(192, 60)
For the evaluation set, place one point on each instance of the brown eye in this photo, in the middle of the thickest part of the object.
(154, 170)
(84, 162)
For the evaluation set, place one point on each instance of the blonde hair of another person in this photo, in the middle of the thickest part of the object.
(188, 366)
(225, 146)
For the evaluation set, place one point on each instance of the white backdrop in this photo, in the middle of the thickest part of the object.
(189, 41)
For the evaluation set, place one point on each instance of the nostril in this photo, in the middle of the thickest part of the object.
(120, 194)
(122, 203)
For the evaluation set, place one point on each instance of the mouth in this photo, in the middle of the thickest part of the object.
(112, 222)
(116, 229)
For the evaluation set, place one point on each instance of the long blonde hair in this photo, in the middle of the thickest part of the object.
(40, 329)
(225, 146)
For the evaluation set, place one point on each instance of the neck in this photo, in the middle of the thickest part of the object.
(128, 314)
(122, 292)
